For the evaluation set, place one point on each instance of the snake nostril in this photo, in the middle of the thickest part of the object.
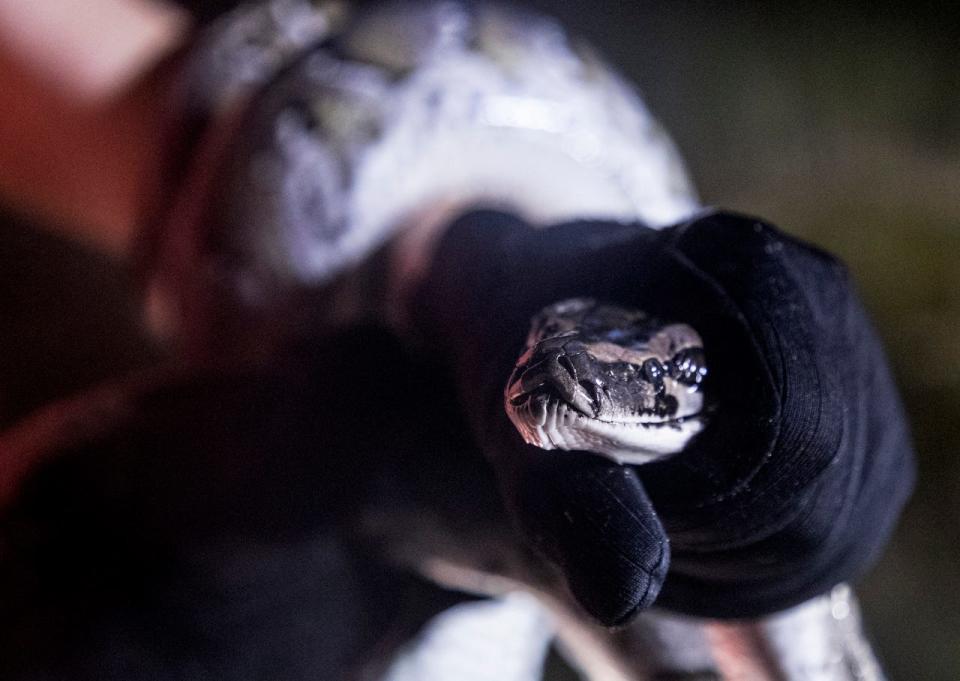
(533, 378)
(592, 390)
(565, 362)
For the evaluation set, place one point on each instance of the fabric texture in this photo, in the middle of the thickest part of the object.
(801, 472)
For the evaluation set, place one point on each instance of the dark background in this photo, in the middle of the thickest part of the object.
(838, 123)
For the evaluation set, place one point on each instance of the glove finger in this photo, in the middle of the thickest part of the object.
(595, 521)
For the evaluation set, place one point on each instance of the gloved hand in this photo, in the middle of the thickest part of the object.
(795, 483)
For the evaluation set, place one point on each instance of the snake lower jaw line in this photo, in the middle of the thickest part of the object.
(549, 423)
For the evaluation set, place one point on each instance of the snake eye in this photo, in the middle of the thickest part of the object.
(653, 371)
(689, 367)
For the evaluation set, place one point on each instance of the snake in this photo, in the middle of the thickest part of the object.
(363, 138)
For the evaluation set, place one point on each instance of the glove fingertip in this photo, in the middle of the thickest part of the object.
(594, 520)
(615, 596)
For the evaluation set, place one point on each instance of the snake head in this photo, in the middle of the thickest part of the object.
(606, 379)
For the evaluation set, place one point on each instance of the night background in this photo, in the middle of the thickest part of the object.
(840, 124)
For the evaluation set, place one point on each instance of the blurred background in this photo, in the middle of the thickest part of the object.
(839, 123)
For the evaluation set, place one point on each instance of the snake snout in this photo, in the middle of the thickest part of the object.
(552, 371)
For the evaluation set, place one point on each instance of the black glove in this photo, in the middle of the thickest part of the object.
(796, 482)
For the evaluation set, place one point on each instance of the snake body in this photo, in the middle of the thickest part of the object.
(408, 116)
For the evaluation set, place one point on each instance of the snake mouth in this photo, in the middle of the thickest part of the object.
(549, 422)
(540, 402)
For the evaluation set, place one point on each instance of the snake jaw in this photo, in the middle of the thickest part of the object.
(609, 380)
(554, 425)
